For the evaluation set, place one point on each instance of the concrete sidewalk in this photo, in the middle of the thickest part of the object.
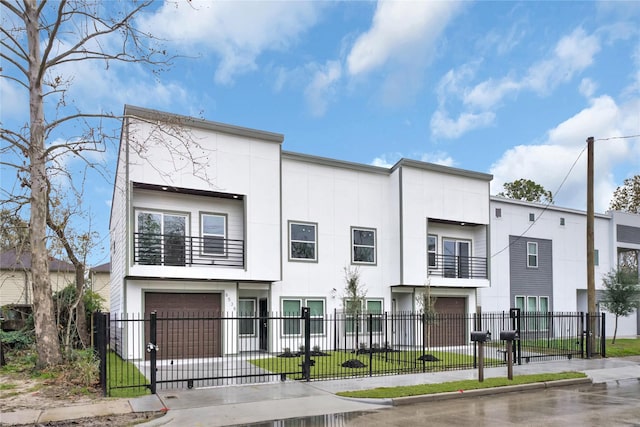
(244, 404)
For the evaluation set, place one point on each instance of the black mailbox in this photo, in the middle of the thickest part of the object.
(508, 335)
(480, 336)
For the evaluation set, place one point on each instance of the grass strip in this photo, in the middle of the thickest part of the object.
(623, 347)
(125, 380)
(464, 385)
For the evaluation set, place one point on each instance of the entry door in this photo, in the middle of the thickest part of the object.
(264, 324)
(456, 258)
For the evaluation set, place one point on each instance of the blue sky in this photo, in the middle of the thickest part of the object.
(508, 88)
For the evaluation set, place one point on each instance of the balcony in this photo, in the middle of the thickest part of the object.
(458, 267)
(177, 250)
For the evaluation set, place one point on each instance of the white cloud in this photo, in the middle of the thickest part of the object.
(548, 163)
(323, 87)
(571, 55)
(588, 87)
(443, 126)
(437, 157)
(238, 32)
(401, 40)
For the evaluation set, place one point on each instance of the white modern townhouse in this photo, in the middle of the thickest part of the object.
(538, 258)
(213, 218)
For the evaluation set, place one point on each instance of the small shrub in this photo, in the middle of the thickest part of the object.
(316, 348)
(17, 340)
(301, 348)
(83, 368)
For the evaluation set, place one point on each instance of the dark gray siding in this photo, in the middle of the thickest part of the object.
(527, 281)
(628, 234)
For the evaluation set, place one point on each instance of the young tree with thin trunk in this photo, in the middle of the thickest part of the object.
(39, 41)
(621, 294)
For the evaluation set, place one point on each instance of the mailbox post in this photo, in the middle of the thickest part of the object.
(480, 337)
(509, 337)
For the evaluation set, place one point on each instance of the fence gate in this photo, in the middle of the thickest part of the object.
(172, 350)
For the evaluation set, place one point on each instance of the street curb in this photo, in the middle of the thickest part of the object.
(409, 400)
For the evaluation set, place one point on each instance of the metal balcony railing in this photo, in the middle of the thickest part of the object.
(177, 250)
(460, 267)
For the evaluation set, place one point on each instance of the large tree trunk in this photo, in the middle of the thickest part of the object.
(47, 344)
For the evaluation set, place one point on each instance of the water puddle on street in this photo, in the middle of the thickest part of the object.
(328, 420)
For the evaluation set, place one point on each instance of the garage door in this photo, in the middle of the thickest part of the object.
(188, 324)
(451, 325)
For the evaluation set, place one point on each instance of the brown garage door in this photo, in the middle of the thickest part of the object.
(188, 324)
(451, 326)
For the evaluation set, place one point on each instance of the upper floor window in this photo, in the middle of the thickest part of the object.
(160, 238)
(532, 254)
(532, 217)
(303, 238)
(363, 242)
(214, 233)
(432, 249)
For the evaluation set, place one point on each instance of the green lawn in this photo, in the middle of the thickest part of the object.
(623, 347)
(392, 362)
(124, 378)
(416, 390)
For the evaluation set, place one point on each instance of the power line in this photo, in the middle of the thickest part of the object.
(544, 209)
(618, 137)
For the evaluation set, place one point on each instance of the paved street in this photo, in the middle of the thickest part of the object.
(611, 404)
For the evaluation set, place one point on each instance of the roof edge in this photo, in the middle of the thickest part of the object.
(149, 114)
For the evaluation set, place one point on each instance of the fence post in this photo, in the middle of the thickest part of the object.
(306, 365)
(100, 346)
(588, 334)
(370, 321)
(515, 314)
(603, 337)
(152, 348)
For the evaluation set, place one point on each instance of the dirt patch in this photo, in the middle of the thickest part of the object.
(18, 393)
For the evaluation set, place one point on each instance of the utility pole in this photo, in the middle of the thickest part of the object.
(591, 282)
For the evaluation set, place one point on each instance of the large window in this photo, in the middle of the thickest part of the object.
(532, 254)
(432, 250)
(292, 310)
(456, 257)
(303, 239)
(357, 316)
(535, 311)
(160, 238)
(363, 241)
(374, 308)
(214, 233)
(316, 311)
(247, 309)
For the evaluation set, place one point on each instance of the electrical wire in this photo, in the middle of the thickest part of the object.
(544, 209)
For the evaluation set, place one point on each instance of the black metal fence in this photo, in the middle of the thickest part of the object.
(173, 350)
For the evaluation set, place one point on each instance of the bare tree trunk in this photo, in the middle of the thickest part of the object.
(81, 318)
(47, 345)
(615, 331)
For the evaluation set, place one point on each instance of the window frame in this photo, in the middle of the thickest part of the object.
(291, 241)
(434, 252)
(535, 255)
(374, 247)
(290, 321)
(376, 321)
(203, 235)
(539, 322)
(163, 251)
(243, 318)
(316, 319)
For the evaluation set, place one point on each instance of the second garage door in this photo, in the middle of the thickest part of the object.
(188, 324)
(451, 326)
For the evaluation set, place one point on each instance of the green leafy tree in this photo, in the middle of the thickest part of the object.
(627, 196)
(621, 294)
(353, 301)
(526, 189)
